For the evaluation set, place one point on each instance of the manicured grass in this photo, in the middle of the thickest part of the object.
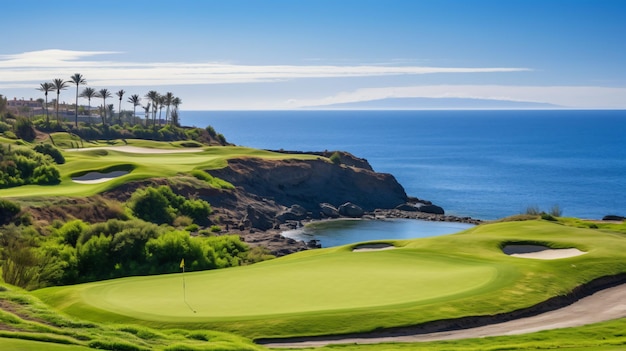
(28, 345)
(28, 324)
(326, 291)
(142, 166)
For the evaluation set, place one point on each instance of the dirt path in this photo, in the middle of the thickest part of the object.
(601, 306)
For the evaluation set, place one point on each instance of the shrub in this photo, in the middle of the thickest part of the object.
(10, 135)
(8, 210)
(533, 210)
(24, 129)
(182, 221)
(151, 205)
(211, 131)
(46, 175)
(4, 127)
(160, 205)
(556, 211)
(547, 217)
(335, 158)
(51, 151)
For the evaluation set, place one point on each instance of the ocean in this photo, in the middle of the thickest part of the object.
(483, 164)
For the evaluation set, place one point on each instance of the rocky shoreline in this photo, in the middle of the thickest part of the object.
(279, 245)
(273, 196)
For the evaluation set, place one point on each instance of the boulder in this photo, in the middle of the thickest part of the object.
(293, 213)
(432, 209)
(256, 219)
(407, 207)
(612, 218)
(329, 210)
(351, 210)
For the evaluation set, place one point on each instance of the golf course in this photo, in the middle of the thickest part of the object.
(322, 292)
(490, 273)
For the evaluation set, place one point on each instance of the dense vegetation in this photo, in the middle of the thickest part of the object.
(21, 165)
(76, 251)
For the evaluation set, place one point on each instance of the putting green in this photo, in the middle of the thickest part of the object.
(338, 291)
(341, 281)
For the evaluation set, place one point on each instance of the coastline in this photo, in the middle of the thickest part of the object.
(281, 245)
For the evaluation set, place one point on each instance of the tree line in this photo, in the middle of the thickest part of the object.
(155, 101)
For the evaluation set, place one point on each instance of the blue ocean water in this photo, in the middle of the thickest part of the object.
(484, 164)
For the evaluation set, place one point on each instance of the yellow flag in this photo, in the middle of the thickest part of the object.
(182, 263)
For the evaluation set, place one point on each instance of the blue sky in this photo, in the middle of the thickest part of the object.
(253, 54)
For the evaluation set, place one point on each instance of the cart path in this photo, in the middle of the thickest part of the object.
(601, 306)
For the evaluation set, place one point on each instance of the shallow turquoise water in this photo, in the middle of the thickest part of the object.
(341, 232)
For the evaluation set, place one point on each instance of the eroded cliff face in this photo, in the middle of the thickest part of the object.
(313, 182)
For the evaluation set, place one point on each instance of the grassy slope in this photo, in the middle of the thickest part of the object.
(354, 286)
(142, 166)
(28, 324)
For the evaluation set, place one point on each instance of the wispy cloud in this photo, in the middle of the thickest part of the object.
(22, 70)
(566, 96)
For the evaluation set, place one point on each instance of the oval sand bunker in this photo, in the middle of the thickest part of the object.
(373, 247)
(97, 177)
(540, 252)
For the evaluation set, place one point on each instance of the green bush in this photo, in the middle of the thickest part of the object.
(160, 205)
(335, 158)
(24, 129)
(51, 151)
(4, 127)
(8, 210)
(151, 205)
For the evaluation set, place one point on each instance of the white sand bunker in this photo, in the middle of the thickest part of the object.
(373, 247)
(540, 252)
(97, 177)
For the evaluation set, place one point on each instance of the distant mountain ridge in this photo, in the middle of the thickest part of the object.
(438, 103)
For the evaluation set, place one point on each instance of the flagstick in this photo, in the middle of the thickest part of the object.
(185, 291)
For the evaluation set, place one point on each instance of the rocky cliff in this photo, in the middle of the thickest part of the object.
(311, 183)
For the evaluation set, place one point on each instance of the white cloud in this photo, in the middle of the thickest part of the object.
(38, 66)
(566, 96)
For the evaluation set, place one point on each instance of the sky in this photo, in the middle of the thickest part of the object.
(291, 54)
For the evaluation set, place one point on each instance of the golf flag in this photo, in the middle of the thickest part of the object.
(182, 263)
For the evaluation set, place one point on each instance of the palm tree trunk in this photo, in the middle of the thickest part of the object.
(47, 116)
(58, 107)
(76, 107)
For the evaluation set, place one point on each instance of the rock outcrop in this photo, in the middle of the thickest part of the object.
(309, 183)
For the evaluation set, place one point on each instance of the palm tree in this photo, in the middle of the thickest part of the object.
(46, 88)
(89, 93)
(146, 109)
(168, 97)
(59, 84)
(120, 94)
(153, 96)
(77, 79)
(104, 94)
(161, 105)
(111, 109)
(175, 118)
(136, 101)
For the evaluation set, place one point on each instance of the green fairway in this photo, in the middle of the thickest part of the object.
(323, 291)
(168, 160)
(27, 345)
(312, 284)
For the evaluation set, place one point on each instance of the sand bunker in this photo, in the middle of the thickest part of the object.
(540, 252)
(139, 150)
(373, 247)
(97, 177)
